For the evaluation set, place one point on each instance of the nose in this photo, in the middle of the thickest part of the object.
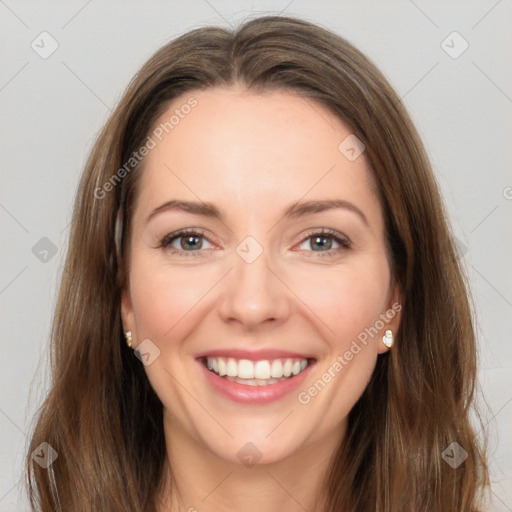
(254, 294)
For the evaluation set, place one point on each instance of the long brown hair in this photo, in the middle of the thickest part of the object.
(101, 414)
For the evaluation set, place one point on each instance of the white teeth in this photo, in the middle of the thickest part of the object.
(276, 370)
(262, 370)
(256, 373)
(232, 368)
(221, 364)
(245, 369)
(253, 382)
(287, 368)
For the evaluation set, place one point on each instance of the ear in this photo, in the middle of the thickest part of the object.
(392, 316)
(127, 315)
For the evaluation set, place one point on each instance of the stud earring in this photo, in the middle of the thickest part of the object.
(387, 339)
(128, 336)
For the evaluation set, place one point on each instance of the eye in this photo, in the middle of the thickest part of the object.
(184, 241)
(190, 242)
(325, 241)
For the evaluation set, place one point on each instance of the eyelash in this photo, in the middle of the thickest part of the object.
(325, 233)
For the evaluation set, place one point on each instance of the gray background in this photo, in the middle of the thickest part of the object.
(53, 108)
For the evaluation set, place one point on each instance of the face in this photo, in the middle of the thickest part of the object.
(263, 321)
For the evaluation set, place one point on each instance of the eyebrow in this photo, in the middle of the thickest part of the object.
(295, 210)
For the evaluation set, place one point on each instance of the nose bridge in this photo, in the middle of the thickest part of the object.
(254, 294)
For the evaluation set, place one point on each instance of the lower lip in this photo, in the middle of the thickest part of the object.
(244, 394)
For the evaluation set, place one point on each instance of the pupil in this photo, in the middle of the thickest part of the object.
(187, 239)
(324, 245)
(192, 242)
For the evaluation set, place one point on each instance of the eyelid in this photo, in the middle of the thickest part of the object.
(328, 232)
(344, 241)
(171, 237)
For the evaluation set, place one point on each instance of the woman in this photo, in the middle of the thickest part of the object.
(262, 308)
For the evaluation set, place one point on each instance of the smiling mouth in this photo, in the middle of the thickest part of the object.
(256, 373)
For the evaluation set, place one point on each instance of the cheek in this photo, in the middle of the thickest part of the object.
(347, 299)
(161, 297)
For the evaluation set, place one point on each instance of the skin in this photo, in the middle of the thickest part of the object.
(252, 155)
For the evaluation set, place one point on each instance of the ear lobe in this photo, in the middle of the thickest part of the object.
(381, 348)
(393, 315)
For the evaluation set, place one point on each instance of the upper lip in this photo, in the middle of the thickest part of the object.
(254, 355)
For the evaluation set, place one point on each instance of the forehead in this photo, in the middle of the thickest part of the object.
(257, 150)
